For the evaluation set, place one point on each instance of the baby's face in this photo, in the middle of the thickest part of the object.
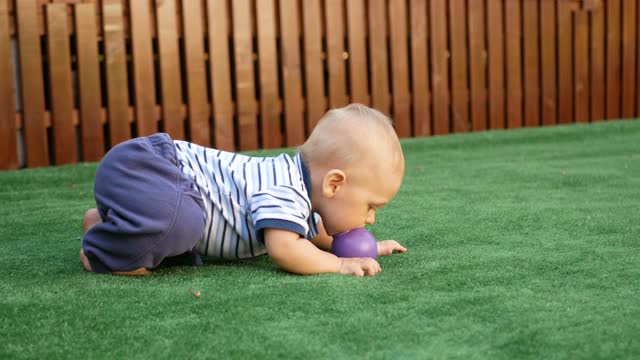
(356, 204)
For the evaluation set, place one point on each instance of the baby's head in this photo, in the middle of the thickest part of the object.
(356, 165)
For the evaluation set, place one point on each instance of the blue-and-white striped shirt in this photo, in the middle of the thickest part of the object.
(244, 195)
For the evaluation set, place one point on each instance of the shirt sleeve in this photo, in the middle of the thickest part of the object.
(313, 228)
(280, 207)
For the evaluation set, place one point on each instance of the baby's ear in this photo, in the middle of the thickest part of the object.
(333, 182)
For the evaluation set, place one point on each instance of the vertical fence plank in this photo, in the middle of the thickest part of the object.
(198, 107)
(378, 56)
(597, 70)
(613, 59)
(170, 79)
(477, 67)
(637, 71)
(459, 76)
(89, 89)
(314, 70)
(495, 43)
(292, 75)
(116, 72)
(548, 61)
(244, 82)
(33, 104)
(531, 63)
(514, 63)
(439, 66)
(268, 62)
(358, 70)
(64, 131)
(220, 71)
(581, 66)
(400, 67)
(335, 51)
(637, 109)
(628, 59)
(565, 64)
(420, 68)
(143, 74)
(8, 131)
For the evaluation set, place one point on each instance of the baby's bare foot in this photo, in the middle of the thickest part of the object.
(137, 272)
(91, 218)
(84, 261)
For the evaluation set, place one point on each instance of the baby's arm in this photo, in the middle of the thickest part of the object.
(322, 240)
(300, 256)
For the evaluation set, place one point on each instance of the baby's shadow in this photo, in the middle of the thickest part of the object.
(210, 262)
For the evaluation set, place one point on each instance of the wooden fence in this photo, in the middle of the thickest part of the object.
(79, 76)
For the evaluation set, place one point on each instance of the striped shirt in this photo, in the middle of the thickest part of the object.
(245, 195)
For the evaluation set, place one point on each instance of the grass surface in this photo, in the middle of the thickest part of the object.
(522, 244)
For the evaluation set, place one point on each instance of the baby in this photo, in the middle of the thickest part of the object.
(158, 198)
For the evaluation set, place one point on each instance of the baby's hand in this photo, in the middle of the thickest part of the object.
(386, 247)
(359, 266)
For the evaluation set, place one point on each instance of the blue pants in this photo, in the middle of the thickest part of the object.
(150, 210)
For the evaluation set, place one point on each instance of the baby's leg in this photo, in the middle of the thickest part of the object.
(91, 218)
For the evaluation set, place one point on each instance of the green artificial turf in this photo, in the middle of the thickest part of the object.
(522, 244)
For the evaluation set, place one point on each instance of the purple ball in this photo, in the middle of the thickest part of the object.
(356, 243)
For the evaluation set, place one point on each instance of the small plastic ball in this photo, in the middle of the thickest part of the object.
(356, 243)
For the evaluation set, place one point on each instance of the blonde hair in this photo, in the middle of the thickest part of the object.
(345, 136)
